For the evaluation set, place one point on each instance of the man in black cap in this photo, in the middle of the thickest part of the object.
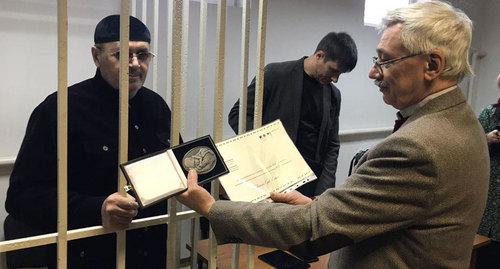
(92, 157)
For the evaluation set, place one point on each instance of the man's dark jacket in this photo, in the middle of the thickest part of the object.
(282, 100)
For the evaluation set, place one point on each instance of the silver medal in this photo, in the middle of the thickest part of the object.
(202, 159)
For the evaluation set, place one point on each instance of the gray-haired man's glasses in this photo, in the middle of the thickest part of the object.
(388, 63)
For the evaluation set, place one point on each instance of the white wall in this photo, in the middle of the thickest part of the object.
(28, 34)
(488, 69)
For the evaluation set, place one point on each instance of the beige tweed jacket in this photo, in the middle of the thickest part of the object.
(415, 200)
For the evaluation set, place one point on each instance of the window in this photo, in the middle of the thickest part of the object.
(375, 10)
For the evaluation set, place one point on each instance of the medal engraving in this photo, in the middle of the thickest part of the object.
(201, 158)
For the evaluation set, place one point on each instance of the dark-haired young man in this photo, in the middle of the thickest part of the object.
(301, 94)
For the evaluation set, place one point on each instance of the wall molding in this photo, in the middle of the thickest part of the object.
(9, 160)
(353, 133)
(365, 131)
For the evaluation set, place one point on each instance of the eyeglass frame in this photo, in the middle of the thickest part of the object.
(388, 63)
(131, 55)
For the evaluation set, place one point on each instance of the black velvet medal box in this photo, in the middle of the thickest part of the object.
(161, 175)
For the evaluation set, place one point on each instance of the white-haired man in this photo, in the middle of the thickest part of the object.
(414, 200)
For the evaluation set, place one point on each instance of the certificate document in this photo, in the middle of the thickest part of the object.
(262, 161)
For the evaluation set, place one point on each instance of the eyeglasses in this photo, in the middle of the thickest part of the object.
(379, 64)
(142, 56)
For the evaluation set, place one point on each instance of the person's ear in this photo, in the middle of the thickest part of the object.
(95, 54)
(320, 55)
(434, 65)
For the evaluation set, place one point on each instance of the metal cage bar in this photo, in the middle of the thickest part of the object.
(200, 126)
(144, 11)
(123, 120)
(201, 67)
(245, 37)
(175, 32)
(62, 133)
(259, 79)
(133, 10)
(259, 86)
(184, 61)
(218, 112)
(156, 32)
(45, 239)
(242, 120)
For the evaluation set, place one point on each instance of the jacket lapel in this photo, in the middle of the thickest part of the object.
(296, 82)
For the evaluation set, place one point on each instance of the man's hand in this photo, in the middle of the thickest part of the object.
(292, 198)
(196, 197)
(493, 137)
(117, 211)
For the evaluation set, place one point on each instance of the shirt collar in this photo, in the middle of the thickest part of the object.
(407, 112)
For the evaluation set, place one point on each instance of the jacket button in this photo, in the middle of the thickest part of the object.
(82, 254)
(105, 148)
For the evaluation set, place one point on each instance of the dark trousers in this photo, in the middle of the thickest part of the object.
(488, 257)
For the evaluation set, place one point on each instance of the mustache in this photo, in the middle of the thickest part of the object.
(380, 83)
(135, 73)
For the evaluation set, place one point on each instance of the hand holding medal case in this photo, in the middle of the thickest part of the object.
(158, 176)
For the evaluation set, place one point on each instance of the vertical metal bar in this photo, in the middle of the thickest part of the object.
(200, 130)
(251, 254)
(170, 30)
(218, 112)
(195, 234)
(201, 67)
(261, 51)
(184, 65)
(133, 12)
(175, 28)
(62, 133)
(123, 119)
(259, 86)
(184, 59)
(156, 31)
(235, 258)
(245, 33)
(242, 121)
(144, 11)
(219, 71)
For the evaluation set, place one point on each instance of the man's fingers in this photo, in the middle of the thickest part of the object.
(293, 198)
(126, 201)
(192, 179)
(132, 202)
(116, 211)
(121, 220)
(279, 197)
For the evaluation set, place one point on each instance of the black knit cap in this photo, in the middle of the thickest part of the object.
(108, 30)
